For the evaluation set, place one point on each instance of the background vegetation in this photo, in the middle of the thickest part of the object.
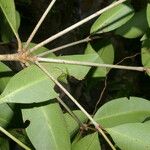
(117, 99)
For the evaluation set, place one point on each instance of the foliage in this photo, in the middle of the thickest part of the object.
(43, 123)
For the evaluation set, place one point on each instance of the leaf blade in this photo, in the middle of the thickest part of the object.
(112, 19)
(135, 136)
(134, 28)
(122, 111)
(88, 142)
(8, 8)
(31, 85)
(53, 132)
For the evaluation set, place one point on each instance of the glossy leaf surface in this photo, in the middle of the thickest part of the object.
(47, 128)
(122, 111)
(135, 27)
(8, 8)
(89, 142)
(132, 136)
(145, 51)
(31, 85)
(112, 19)
(6, 112)
(148, 14)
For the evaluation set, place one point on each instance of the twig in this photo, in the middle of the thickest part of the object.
(14, 139)
(9, 57)
(22, 57)
(19, 42)
(76, 25)
(128, 57)
(39, 23)
(77, 104)
(101, 95)
(70, 112)
(60, 61)
(66, 46)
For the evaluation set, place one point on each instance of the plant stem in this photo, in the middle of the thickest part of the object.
(65, 46)
(76, 102)
(70, 112)
(39, 23)
(76, 25)
(14, 139)
(19, 43)
(60, 61)
(9, 57)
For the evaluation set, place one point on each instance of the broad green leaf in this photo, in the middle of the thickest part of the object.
(145, 53)
(98, 72)
(105, 53)
(47, 129)
(77, 71)
(122, 111)
(6, 112)
(4, 144)
(5, 75)
(148, 14)
(6, 31)
(146, 35)
(72, 124)
(8, 8)
(112, 19)
(135, 27)
(89, 142)
(31, 85)
(132, 136)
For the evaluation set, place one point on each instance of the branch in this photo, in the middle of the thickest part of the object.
(22, 57)
(72, 114)
(66, 46)
(76, 25)
(60, 61)
(39, 23)
(77, 104)
(9, 57)
(14, 139)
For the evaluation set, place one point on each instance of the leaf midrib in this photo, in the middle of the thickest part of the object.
(120, 114)
(4, 96)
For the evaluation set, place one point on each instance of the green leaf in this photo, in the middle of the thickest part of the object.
(122, 111)
(6, 31)
(72, 124)
(98, 72)
(146, 35)
(148, 14)
(135, 27)
(105, 53)
(132, 136)
(4, 144)
(6, 112)
(77, 71)
(47, 129)
(112, 19)
(8, 8)
(5, 75)
(89, 142)
(31, 85)
(145, 53)
(6, 115)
